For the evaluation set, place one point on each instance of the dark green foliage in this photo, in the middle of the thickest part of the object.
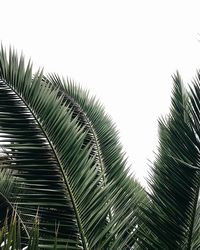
(64, 180)
(175, 180)
(68, 168)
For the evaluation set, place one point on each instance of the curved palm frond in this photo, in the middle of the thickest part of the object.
(175, 182)
(111, 161)
(33, 159)
(74, 174)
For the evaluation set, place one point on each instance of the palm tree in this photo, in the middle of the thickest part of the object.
(65, 183)
(64, 177)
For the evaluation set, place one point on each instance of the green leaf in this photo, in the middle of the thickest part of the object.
(67, 161)
(175, 179)
(106, 147)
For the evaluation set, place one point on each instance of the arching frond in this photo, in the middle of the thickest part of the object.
(110, 159)
(72, 170)
(175, 179)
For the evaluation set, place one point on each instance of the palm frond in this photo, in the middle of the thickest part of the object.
(73, 174)
(110, 159)
(32, 119)
(175, 179)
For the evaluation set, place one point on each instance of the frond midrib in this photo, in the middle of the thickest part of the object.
(91, 129)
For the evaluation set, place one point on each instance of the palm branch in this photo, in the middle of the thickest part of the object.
(68, 164)
(170, 217)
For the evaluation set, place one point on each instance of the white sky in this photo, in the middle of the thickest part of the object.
(123, 51)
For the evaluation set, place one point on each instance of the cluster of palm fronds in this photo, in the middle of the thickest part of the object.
(64, 180)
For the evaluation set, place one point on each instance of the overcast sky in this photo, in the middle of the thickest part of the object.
(123, 51)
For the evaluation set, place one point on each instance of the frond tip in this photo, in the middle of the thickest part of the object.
(175, 178)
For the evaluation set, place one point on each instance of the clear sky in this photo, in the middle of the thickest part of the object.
(123, 51)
